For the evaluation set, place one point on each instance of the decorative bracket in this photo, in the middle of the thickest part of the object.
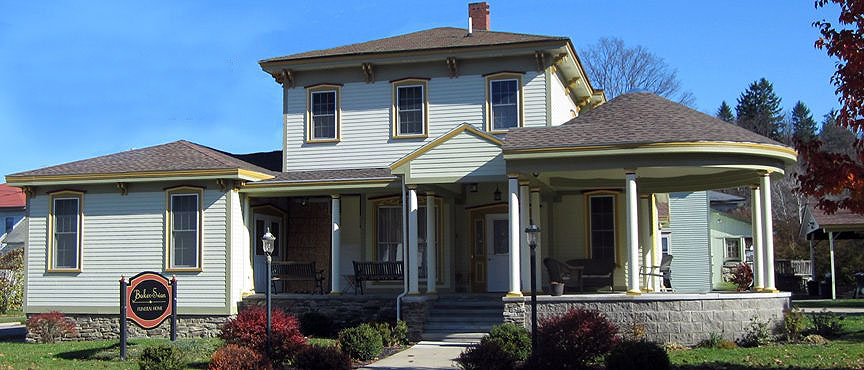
(223, 186)
(123, 187)
(368, 72)
(559, 58)
(285, 77)
(452, 67)
(28, 190)
(540, 57)
(573, 81)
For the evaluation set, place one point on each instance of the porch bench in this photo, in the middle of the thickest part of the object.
(376, 271)
(298, 271)
(596, 273)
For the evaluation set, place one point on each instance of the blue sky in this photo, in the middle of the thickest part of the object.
(87, 78)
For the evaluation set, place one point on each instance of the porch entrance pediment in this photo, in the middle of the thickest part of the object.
(464, 154)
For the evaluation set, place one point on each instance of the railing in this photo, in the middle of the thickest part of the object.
(792, 267)
(802, 267)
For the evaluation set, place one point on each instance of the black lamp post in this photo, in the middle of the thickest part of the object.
(267, 243)
(531, 233)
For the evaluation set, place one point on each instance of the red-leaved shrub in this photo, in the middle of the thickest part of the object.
(322, 358)
(742, 277)
(574, 340)
(249, 329)
(51, 326)
(234, 357)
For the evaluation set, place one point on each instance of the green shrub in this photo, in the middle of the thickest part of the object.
(637, 354)
(400, 333)
(361, 342)
(713, 341)
(161, 357)
(316, 324)
(793, 324)
(322, 358)
(12, 282)
(756, 334)
(386, 331)
(486, 355)
(513, 340)
(826, 324)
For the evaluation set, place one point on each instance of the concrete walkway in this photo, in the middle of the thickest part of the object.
(423, 355)
(838, 310)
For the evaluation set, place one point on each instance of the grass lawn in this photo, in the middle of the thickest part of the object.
(846, 352)
(12, 316)
(840, 303)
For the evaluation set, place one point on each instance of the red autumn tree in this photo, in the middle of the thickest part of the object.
(836, 179)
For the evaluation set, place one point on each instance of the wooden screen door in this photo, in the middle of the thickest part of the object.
(478, 253)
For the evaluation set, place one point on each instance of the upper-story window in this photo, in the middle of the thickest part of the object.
(323, 114)
(504, 101)
(410, 108)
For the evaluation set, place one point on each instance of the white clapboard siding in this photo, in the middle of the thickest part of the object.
(690, 244)
(365, 124)
(465, 155)
(123, 235)
(561, 104)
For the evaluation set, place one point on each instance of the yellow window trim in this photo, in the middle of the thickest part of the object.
(394, 109)
(309, 131)
(169, 224)
(497, 77)
(396, 201)
(587, 205)
(65, 194)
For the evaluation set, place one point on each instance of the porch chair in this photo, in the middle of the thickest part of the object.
(561, 272)
(664, 272)
(596, 273)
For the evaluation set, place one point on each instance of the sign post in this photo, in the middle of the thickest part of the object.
(147, 299)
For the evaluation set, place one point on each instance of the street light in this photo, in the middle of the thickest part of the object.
(531, 234)
(267, 243)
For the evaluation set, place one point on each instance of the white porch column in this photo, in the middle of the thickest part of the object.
(248, 246)
(513, 201)
(524, 253)
(413, 266)
(758, 253)
(657, 247)
(535, 218)
(632, 199)
(767, 232)
(833, 277)
(335, 243)
(431, 250)
(645, 242)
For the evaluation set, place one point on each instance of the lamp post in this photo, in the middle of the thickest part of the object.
(267, 242)
(531, 233)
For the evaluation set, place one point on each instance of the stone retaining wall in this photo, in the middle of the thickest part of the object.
(681, 318)
(96, 327)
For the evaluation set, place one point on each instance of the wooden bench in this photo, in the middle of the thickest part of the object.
(376, 271)
(596, 273)
(298, 271)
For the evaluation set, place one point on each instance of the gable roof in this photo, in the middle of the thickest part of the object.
(632, 119)
(435, 38)
(12, 197)
(463, 127)
(179, 157)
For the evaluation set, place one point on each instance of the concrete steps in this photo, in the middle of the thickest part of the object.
(463, 319)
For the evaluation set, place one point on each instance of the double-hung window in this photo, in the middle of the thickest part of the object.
(388, 236)
(733, 248)
(323, 114)
(410, 106)
(184, 229)
(601, 226)
(65, 223)
(504, 100)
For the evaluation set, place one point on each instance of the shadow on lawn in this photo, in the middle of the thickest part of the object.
(106, 353)
(729, 366)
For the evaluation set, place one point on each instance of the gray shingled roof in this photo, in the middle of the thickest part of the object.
(175, 156)
(435, 38)
(634, 118)
(330, 175)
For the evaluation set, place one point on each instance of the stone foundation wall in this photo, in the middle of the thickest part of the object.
(685, 319)
(415, 313)
(96, 327)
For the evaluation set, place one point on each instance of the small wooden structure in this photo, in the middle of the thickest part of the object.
(818, 226)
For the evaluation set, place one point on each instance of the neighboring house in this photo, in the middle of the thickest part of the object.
(440, 146)
(13, 205)
(731, 237)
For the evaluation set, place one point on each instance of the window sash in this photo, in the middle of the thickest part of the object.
(602, 227)
(733, 248)
(185, 225)
(66, 229)
(410, 110)
(322, 112)
(504, 103)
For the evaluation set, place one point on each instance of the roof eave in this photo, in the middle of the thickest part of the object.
(144, 176)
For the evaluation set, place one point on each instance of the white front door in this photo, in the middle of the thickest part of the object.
(262, 222)
(497, 255)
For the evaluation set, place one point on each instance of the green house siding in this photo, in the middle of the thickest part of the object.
(722, 227)
(688, 224)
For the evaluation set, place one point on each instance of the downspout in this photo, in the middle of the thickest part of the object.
(404, 254)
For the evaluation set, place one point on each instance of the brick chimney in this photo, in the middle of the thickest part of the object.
(479, 13)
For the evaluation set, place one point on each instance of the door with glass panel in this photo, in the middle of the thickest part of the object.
(497, 252)
(262, 223)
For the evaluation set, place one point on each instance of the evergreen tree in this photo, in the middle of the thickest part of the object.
(725, 113)
(758, 110)
(802, 123)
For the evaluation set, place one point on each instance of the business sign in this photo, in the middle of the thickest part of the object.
(148, 299)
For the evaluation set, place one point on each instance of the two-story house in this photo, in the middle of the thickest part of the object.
(433, 149)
